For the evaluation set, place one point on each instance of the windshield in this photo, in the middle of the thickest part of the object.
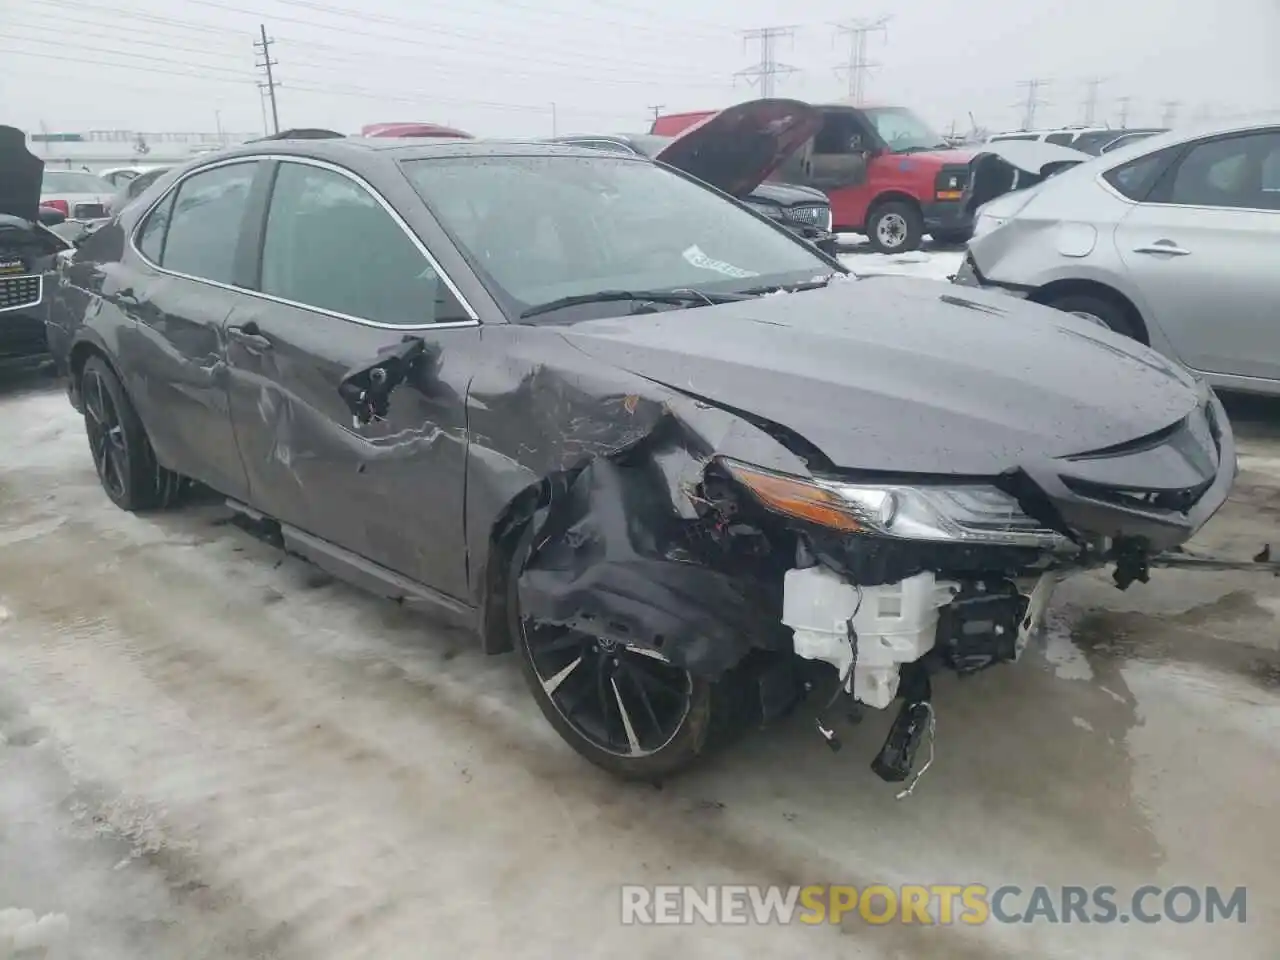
(541, 228)
(903, 130)
(70, 181)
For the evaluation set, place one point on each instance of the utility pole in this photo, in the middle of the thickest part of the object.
(764, 72)
(858, 66)
(554, 124)
(1170, 115)
(267, 63)
(1032, 101)
(1091, 100)
(1124, 111)
(657, 109)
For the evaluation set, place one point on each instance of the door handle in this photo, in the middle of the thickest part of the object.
(250, 336)
(1163, 246)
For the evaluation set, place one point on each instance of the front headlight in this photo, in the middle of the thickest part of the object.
(959, 513)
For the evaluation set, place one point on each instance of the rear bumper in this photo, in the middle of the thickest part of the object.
(948, 215)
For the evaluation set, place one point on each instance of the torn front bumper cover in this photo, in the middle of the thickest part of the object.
(619, 556)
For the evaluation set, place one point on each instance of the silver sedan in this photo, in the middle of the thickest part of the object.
(1173, 240)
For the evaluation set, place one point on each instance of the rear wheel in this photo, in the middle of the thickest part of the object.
(122, 454)
(895, 227)
(626, 710)
(1097, 309)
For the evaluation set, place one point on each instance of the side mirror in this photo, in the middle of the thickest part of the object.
(51, 216)
(366, 389)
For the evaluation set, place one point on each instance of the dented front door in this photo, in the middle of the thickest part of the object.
(389, 490)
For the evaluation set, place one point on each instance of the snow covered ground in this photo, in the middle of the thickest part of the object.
(209, 751)
(933, 262)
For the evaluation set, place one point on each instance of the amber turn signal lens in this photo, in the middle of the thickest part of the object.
(796, 498)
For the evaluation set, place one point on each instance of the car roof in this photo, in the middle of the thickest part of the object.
(403, 148)
(1192, 131)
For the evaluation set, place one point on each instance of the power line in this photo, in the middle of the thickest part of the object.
(579, 61)
(858, 67)
(1032, 101)
(401, 95)
(330, 55)
(1125, 103)
(1091, 99)
(270, 84)
(764, 72)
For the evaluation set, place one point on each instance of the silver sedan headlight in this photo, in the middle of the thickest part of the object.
(956, 513)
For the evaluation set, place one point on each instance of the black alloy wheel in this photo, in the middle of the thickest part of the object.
(122, 455)
(624, 701)
(107, 441)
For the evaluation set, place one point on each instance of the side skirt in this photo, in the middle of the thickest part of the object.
(366, 574)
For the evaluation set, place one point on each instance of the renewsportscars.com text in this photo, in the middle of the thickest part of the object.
(942, 904)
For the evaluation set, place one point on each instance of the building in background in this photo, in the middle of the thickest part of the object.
(95, 150)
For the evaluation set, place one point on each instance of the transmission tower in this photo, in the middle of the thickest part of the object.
(1170, 115)
(1090, 106)
(270, 84)
(768, 68)
(1032, 101)
(1125, 103)
(858, 66)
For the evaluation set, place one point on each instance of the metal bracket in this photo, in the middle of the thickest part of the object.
(1186, 560)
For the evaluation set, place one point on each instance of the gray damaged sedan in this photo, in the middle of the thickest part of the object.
(673, 456)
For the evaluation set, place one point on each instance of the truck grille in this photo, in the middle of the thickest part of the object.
(89, 211)
(20, 293)
(814, 215)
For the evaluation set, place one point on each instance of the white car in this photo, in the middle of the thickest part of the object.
(78, 195)
(1172, 240)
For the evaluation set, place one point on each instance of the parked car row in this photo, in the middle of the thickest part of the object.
(1094, 141)
(678, 459)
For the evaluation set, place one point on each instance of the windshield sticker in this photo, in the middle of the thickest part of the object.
(697, 258)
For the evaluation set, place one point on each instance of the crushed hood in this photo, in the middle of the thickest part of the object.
(20, 176)
(1007, 165)
(737, 148)
(1035, 157)
(906, 375)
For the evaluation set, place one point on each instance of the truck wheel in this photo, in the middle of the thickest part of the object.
(122, 455)
(627, 712)
(895, 227)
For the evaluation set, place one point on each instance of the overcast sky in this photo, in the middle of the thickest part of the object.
(496, 66)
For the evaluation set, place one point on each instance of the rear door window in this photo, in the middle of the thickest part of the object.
(1134, 180)
(206, 220)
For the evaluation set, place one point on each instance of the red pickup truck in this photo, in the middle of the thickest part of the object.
(887, 174)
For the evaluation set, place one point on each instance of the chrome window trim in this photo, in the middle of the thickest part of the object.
(39, 279)
(334, 168)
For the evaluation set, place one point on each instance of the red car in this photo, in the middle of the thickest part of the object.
(887, 173)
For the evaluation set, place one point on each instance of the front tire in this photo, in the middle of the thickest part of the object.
(122, 455)
(895, 227)
(1098, 310)
(628, 712)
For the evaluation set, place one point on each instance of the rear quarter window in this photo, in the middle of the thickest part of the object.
(1134, 180)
